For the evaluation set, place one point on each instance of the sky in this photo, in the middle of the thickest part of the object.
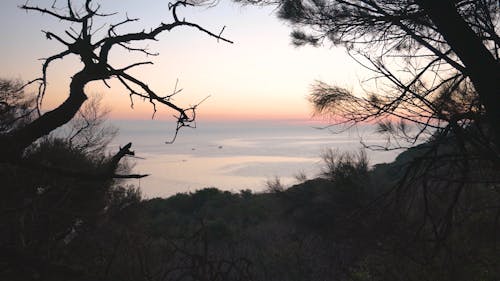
(260, 76)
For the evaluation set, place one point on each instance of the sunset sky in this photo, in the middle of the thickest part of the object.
(260, 76)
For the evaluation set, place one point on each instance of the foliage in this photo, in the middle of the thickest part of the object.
(345, 225)
(434, 63)
(352, 223)
(430, 215)
(16, 107)
(59, 188)
(56, 194)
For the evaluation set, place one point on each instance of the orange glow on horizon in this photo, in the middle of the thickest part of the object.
(145, 112)
(260, 77)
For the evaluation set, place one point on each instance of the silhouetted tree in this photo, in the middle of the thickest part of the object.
(435, 63)
(16, 107)
(87, 131)
(62, 189)
(83, 40)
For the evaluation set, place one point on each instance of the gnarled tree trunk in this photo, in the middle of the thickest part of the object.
(13, 144)
(481, 66)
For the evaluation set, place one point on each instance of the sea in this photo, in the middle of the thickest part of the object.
(235, 155)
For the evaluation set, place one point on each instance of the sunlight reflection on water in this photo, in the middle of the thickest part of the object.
(233, 156)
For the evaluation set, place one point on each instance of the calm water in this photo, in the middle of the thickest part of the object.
(233, 156)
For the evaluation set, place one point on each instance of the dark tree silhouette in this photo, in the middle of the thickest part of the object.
(87, 131)
(82, 39)
(435, 63)
(16, 107)
(59, 190)
(64, 187)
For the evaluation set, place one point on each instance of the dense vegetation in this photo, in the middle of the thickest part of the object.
(61, 190)
(351, 224)
(430, 215)
(433, 214)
